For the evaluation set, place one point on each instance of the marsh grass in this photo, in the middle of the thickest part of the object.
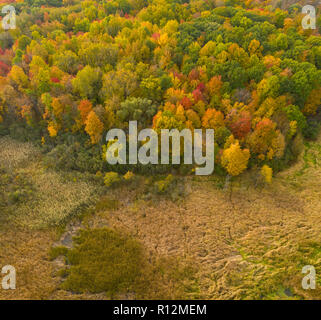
(203, 246)
(16, 154)
(36, 197)
(53, 201)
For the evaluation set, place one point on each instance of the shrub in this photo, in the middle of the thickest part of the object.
(55, 252)
(111, 178)
(297, 145)
(267, 173)
(74, 156)
(163, 185)
(129, 176)
(107, 204)
(171, 187)
(312, 129)
(104, 261)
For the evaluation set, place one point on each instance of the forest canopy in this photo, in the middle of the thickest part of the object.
(72, 70)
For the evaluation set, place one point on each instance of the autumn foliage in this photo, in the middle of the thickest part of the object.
(234, 159)
(251, 74)
(94, 127)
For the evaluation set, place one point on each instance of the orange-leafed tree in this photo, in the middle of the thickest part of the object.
(213, 119)
(84, 108)
(94, 127)
(214, 86)
(266, 140)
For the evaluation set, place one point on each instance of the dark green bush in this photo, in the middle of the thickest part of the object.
(104, 261)
(75, 157)
(312, 129)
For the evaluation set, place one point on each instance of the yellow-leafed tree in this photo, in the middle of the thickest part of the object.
(267, 172)
(18, 76)
(313, 102)
(234, 159)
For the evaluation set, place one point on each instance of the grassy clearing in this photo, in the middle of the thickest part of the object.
(33, 203)
(27, 252)
(52, 199)
(55, 200)
(16, 154)
(252, 247)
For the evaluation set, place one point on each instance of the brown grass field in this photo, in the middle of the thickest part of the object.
(250, 247)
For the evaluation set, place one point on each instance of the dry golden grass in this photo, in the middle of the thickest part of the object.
(55, 198)
(36, 277)
(22, 242)
(27, 252)
(15, 154)
(253, 247)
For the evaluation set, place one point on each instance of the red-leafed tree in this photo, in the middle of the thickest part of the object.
(239, 123)
(4, 69)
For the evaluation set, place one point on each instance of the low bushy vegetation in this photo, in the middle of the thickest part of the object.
(103, 261)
